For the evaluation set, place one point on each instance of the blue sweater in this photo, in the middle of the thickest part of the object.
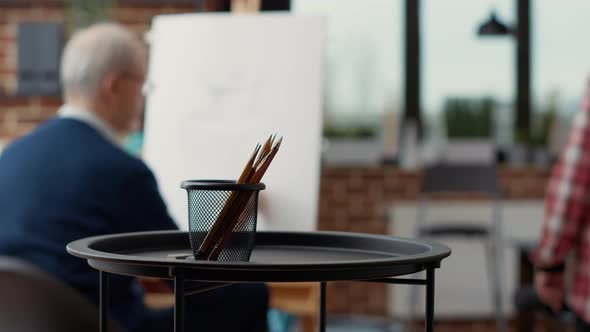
(63, 182)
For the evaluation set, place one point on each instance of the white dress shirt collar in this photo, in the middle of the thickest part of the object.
(88, 117)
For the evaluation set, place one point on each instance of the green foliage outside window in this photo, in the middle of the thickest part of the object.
(469, 117)
(544, 120)
(82, 13)
(542, 125)
(350, 131)
(360, 125)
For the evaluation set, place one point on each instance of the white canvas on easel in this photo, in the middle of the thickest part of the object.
(223, 82)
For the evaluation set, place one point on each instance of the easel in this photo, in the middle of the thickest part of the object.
(245, 6)
(299, 299)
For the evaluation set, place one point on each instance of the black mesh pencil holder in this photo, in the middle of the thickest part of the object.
(207, 204)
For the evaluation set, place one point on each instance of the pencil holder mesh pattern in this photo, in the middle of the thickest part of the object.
(206, 202)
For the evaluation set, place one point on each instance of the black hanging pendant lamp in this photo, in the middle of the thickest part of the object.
(493, 27)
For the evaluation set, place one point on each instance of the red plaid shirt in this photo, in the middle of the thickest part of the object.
(566, 226)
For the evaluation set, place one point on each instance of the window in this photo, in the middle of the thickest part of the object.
(364, 56)
(560, 58)
(457, 63)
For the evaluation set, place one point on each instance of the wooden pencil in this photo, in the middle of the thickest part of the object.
(234, 207)
(232, 218)
(214, 233)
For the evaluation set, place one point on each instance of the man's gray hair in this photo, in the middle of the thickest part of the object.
(94, 52)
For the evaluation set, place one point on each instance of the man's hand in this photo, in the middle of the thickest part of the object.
(550, 288)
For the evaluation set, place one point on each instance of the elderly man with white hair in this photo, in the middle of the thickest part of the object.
(70, 179)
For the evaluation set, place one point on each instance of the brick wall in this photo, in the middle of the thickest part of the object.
(19, 114)
(356, 200)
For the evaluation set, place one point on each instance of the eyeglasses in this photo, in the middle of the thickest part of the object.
(146, 86)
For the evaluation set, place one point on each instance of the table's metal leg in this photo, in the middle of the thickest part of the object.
(179, 301)
(103, 308)
(524, 318)
(323, 306)
(429, 299)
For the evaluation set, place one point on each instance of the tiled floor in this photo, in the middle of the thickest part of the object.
(441, 326)
(489, 326)
(360, 324)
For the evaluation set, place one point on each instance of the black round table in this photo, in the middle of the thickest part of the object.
(277, 257)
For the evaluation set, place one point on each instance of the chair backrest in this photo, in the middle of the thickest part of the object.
(461, 178)
(476, 178)
(31, 300)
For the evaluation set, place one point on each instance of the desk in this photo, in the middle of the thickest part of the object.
(297, 298)
(277, 257)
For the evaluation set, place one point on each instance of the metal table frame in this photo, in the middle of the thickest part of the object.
(180, 291)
